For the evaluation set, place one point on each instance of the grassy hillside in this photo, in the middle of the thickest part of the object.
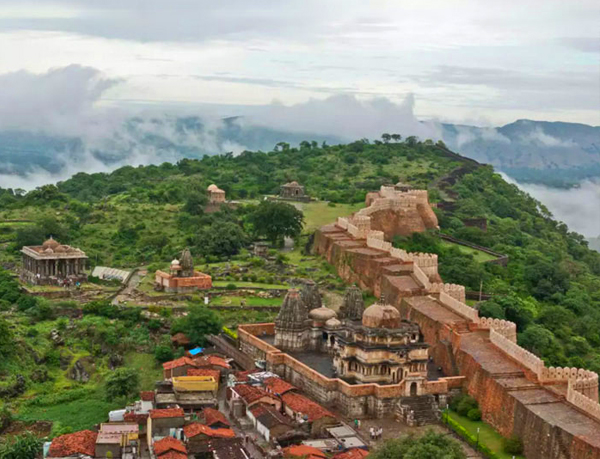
(145, 216)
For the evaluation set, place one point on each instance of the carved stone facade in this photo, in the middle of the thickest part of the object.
(292, 323)
(53, 263)
(353, 306)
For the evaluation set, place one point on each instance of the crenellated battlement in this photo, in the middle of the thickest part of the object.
(504, 327)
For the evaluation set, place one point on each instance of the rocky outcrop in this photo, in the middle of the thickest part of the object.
(78, 372)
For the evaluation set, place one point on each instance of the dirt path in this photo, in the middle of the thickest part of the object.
(129, 290)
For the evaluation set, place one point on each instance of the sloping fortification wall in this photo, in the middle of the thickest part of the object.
(397, 213)
(553, 410)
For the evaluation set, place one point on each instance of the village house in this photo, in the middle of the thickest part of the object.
(231, 449)
(191, 393)
(212, 361)
(205, 371)
(304, 410)
(164, 422)
(304, 452)
(243, 397)
(214, 419)
(169, 448)
(202, 439)
(178, 367)
(78, 444)
(118, 440)
(53, 263)
(270, 423)
(277, 386)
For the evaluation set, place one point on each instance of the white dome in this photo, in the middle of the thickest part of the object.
(175, 262)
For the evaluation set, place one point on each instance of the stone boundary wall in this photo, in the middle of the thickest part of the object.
(460, 308)
(504, 327)
(583, 381)
(516, 352)
(582, 402)
(247, 335)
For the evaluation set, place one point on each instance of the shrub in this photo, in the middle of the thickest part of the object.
(513, 445)
(231, 286)
(474, 414)
(154, 324)
(163, 354)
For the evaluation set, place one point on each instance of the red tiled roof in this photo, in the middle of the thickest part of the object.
(168, 444)
(147, 395)
(139, 418)
(277, 385)
(180, 338)
(300, 404)
(83, 442)
(211, 360)
(242, 376)
(204, 372)
(212, 416)
(180, 362)
(173, 455)
(303, 451)
(354, 453)
(250, 393)
(167, 413)
(258, 410)
(191, 430)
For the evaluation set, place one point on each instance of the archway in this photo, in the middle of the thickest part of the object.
(413, 389)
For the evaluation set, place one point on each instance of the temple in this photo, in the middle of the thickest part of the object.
(52, 263)
(182, 277)
(293, 191)
(215, 194)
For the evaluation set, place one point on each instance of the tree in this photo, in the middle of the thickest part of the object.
(432, 445)
(163, 353)
(386, 137)
(195, 203)
(221, 239)
(123, 382)
(25, 446)
(199, 322)
(276, 220)
(396, 137)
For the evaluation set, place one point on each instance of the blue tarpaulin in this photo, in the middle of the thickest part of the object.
(196, 351)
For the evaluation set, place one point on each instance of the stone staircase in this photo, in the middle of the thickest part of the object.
(418, 411)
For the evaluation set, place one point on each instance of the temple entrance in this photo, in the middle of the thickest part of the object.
(413, 389)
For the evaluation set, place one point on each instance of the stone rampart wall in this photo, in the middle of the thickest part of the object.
(591, 407)
(456, 291)
(516, 352)
(460, 308)
(504, 327)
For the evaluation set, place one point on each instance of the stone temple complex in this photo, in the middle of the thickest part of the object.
(52, 263)
(554, 411)
(182, 277)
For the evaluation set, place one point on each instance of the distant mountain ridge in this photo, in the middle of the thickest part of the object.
(552, 153)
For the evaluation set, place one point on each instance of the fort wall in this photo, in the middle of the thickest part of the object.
(517, 394)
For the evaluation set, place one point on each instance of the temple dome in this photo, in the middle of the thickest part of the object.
(175, 262)
(380, 315)
(212, 187)
(50, 244)
(321, 314)
(61, 249)
(333, 323)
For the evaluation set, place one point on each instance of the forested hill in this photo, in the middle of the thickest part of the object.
(551, 287)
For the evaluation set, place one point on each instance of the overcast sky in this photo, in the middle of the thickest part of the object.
(481, 62)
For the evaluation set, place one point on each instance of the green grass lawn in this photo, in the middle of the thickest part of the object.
(242, 284)
(225, 300)
(487, 435)
(479, 256)
(319, 213)
(149, 370)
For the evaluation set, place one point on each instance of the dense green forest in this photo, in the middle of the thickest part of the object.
(142, 215)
